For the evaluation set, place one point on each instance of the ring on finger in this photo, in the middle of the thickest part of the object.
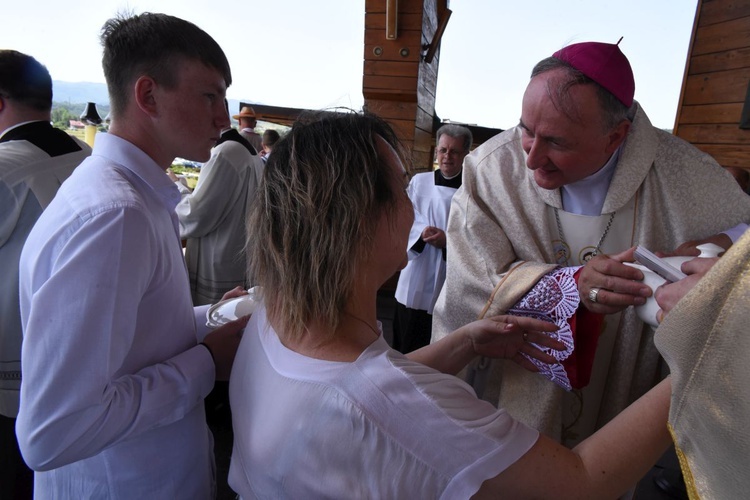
(593, 294)
(525, 337)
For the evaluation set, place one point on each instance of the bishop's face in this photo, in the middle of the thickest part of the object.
(562, 150)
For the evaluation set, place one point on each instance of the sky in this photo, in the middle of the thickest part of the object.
(309, 54)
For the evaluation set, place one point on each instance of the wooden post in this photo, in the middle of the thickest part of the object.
(398, 85)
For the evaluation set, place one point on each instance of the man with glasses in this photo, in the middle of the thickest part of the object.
(422, 279)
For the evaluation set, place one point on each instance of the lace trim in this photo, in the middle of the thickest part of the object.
(554, 298)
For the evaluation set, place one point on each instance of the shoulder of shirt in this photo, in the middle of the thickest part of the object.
(505, 139)
(19, 155)
(421, 177)
(94, 189)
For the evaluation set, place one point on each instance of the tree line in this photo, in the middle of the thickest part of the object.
(63, 112)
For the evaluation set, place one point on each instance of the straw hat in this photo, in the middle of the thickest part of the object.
(245, 112)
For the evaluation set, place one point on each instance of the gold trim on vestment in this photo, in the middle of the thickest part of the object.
(687, 474)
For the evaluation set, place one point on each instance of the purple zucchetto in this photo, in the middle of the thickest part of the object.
(605, 64)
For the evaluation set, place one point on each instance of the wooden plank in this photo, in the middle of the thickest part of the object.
(406, 38)
(424, 119)
(719, 87)
(711, 113)
(391, 53)
(726, 155)
(734, 34)
(715, 134)
(406, 21)
(404, 84)
(421, 161)
(404, 129)
(720, 11)
(429, 18)
(690, 56)
(392, 68)
(720, 61)
(427, 79)
(391, 50)
(404, 6)
(422, 140)
(389, 95)
(393, 109)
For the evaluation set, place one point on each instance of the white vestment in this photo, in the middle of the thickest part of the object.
(422, 279)
(500, 218)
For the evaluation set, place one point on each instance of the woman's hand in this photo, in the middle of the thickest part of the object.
(503, 336)
(508, 336)
(237, 291)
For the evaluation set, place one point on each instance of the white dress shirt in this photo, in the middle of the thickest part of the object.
(113, 381)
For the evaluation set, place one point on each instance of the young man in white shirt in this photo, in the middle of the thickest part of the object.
(115, 363)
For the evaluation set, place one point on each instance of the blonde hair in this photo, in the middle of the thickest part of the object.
(323, 190)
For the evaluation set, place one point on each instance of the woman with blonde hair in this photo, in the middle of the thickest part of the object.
(322, 407)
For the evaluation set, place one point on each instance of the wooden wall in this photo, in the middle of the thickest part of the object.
(398, 85)
(716, 82)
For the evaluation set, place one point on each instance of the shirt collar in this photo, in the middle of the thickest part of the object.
(19, 125)
(586, 197)
(129, 156)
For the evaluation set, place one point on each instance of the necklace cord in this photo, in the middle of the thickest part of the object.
(598, 245)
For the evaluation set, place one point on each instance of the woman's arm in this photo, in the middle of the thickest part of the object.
(497, 337)
(603, 466)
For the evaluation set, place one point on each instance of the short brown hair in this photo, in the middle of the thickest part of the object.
(154, 45)
(324, 189)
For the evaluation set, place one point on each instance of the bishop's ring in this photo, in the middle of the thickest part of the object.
(593, 293)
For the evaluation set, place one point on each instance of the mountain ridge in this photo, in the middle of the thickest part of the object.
(83, 92)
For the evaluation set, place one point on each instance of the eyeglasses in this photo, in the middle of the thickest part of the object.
(451, 152)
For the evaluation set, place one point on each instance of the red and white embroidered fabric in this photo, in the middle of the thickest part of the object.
(554, 298)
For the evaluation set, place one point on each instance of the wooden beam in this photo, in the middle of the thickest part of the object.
(717, 12)
(719, 87)
(734, 34)
(720, 61)
(716, 134)
(711, 113)
(727, 155)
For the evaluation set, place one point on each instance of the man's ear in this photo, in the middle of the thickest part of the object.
(146, 95)
(617, 136)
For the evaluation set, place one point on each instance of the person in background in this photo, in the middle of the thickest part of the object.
(422, 279)
(581, 179)
(270, 137)
(115, 360)
(212, 218)
(323, 408)
(35, 159)
(247, 120)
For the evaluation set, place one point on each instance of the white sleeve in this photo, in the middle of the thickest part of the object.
(736, 232)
